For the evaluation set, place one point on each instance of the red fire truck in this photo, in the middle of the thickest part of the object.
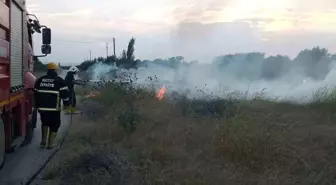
(18, 117)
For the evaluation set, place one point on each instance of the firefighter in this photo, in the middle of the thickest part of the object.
(49, 90)
(70, 80)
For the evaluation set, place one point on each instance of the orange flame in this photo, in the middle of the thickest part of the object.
(161, 93)
(92, 94)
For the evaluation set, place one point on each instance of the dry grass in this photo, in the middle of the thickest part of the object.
(132, 138)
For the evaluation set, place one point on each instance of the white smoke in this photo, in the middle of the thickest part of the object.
(99, 70)
(199, 80)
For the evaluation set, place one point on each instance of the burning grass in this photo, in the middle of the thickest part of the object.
(137, 139)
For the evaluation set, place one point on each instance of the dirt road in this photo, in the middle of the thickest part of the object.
(22, 164)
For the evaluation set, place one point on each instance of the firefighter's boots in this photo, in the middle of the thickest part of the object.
(51, 140)
(45, 130)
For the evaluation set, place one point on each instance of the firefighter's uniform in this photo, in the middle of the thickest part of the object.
(49, 90)
(70, 80)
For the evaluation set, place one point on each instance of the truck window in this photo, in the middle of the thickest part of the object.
(30, 35)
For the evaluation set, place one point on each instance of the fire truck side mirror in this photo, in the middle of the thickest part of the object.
(46, 49)
(46, 36)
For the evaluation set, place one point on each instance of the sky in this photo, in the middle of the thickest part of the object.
(195, 29)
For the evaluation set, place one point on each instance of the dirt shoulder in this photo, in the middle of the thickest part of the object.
(129, 137)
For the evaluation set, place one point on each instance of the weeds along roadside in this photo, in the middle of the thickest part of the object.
(129, 137)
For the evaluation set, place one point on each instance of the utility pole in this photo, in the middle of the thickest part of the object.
(106, 49)
(90, 55)
(114, 47)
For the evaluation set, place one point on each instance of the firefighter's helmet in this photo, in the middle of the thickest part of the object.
(73, 69)
(52, 66)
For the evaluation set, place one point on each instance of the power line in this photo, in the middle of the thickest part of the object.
(79, 42)
(90, 42)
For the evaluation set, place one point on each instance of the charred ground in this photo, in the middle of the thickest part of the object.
(127, 136)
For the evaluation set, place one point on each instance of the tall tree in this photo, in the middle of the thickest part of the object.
(130, 50)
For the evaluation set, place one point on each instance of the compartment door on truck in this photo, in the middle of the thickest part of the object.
(16, 58)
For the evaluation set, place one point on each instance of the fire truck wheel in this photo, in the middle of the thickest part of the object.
(29, 131)
(29, 135)
(2, 144)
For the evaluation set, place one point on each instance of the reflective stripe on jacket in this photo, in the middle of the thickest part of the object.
(49, 90)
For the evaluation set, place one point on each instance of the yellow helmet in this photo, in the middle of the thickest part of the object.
(52, 66)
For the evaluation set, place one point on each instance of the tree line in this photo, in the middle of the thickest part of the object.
(125, 60)
(314, 63)
(41, 67)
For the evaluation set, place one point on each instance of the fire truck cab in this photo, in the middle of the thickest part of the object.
(17, 115)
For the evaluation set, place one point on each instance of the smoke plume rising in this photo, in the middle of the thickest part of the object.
(238, 78)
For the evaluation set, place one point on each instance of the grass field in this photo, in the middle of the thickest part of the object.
(130, 137)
